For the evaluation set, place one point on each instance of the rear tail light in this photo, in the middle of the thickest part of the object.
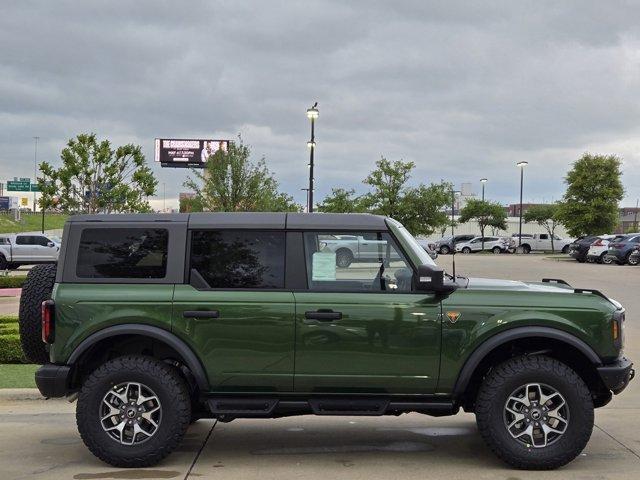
(48, 321)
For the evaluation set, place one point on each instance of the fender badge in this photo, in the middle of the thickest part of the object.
(453, 316)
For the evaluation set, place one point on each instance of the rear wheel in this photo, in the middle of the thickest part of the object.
(526, 248)
(133, 411)
(632, 259)
(535, 412)
(36, 289)
(565, 249)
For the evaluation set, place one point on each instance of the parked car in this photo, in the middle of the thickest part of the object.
(448, 244)
(27, 249)
(598, 250)
(355, 248)
(153, 321)
(634, 258)
(492, 244)
(580, 247)
(542, 241)
(429, 247)
(620, 251)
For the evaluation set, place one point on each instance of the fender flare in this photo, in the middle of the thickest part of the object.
(165, 336)
(514, 334)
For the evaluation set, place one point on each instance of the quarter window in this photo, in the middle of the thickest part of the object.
(238, 258)
(369, 261)
(123, 253)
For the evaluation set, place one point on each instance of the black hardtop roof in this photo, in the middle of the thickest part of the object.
(266, 220)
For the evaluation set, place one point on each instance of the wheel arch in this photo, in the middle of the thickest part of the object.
(107, 336)
(529, 340)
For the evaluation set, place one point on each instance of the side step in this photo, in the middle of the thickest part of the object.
(229, 407)
(243, 407)
(337, 406)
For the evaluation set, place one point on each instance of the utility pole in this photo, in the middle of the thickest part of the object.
(35, 171)
(521, 165)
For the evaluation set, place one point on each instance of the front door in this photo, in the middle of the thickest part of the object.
(234, 311)
(360, 328)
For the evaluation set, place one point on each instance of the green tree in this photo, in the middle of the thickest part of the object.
(341, 201)
(95, 178)
(545, 216)
(487, 214)
(190, 205)
(388, 181)
(421, 209)
(231, 182)
(594, 189)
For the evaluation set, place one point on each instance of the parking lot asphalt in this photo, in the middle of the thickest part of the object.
(39, 438)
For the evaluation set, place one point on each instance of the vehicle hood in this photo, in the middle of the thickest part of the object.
(498, 284)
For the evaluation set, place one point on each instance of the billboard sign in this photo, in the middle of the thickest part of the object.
(184, 153)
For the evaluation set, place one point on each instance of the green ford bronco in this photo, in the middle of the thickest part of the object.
(154, 321)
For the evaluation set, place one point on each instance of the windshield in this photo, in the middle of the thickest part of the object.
(415, 251)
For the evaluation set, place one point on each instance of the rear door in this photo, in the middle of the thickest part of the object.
(234, 310)
(360, 328)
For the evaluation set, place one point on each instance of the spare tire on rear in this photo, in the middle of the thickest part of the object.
(36, 289)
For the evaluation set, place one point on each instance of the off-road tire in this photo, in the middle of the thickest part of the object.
(503, 380)
(37, 288)
(445, 250)
(172, 392)
(344, 258)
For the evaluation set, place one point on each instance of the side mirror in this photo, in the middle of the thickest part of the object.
(51, 244)
(431, 279)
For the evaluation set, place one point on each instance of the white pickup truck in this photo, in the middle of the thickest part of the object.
(27, 248)
(542, 241)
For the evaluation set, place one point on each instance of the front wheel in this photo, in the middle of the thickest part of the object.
(133, 411)
(444, 250)
(633, 259)
(496, 250)
(344, 258)
(466, 250)
(534, 412)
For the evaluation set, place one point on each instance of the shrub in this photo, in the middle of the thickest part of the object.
(12, 281)
(10, 348)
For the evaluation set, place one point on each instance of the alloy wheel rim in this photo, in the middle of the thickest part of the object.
(536, 415)
(130, 413)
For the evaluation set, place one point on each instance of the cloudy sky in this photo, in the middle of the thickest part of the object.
(463, 89)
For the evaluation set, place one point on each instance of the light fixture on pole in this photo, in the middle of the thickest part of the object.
(521, 165)
(483, 181)
(312, 114)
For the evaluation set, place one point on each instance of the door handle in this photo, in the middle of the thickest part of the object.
(201, 314)
(323, 315)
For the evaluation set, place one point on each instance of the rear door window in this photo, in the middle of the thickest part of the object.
(123, 253)
(238, 258)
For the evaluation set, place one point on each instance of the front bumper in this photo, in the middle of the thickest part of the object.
(53, 380)
(616, 376)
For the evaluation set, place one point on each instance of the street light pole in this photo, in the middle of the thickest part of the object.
(521, 165)
(35, 170)
(483, 181)
(312, 114)
(453, 240)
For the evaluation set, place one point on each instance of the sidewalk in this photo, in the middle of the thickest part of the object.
(10, 292)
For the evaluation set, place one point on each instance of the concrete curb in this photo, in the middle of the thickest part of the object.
(20, 394)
